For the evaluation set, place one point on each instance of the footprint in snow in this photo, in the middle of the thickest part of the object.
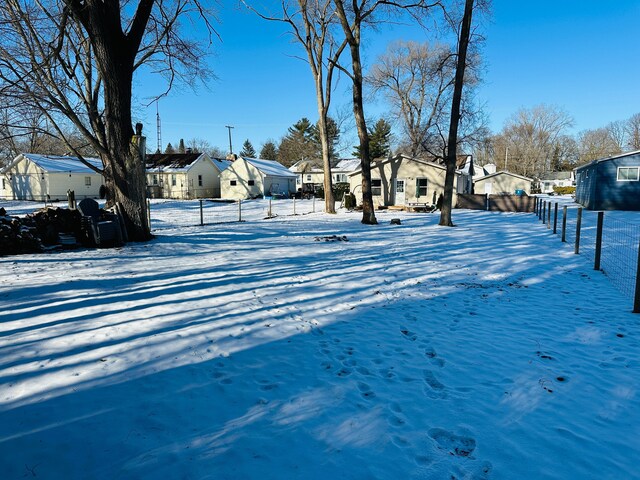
(457, 445)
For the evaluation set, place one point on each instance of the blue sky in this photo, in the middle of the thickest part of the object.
(579, 55)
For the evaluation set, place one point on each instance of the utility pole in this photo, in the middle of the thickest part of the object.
(158, 132)
(229, 127)
(506, 157)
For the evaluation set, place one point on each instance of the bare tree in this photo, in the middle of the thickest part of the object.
(530, 136)
(597, 143)
(74, 60)
(452, 143)
(417, 79)
(632, 130)
(311, 24)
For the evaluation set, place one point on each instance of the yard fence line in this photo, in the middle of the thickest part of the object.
(611, 244)
(209, 212)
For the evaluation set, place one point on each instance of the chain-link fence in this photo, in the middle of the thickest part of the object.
(181, 213)
(613, 248)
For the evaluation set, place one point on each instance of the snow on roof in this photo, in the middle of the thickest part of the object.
(58, 163)
(502, 172)
(270, 167)
(347, 165)
(221, 163)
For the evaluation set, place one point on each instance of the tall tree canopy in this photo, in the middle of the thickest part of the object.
(248, 150)
(74, 61)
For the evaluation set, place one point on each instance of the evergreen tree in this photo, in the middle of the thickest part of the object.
(333, 132)
(248, 150)
(181, 148)
(379, 140)
(298, 144)
(169, 149)
(269, 151)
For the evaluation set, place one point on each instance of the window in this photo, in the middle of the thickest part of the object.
(199, 180)
(4, 183)
(628, 174)
(155, 180)
(341, 178)
(421, 187)
(376, 187)
(173, 180)
(308, 177)
(233, 183)
(251, 183)
(87, 181)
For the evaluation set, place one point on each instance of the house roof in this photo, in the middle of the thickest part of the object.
(270, 168)
(171, 161)
(221, 163)
(556, 176)
(502, 172)
(600, 160)
(404, 157)
(307, 165)
(347, 165)
(57, 163)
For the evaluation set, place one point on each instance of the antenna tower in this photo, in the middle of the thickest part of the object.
(158, 129)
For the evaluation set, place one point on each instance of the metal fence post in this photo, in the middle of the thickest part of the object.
(555, 218)
(578, 226)
(596, 264)
(535, 206)
(201, 214)
(239, 209)
(269, 214)
(564, 223)
(549, 216)
(544, 205)
(149, 213)
(314, 204)
(294, 205)
(636, 301)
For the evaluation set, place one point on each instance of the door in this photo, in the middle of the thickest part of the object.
(399, 191)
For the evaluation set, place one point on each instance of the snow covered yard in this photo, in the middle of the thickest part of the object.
(254, 350)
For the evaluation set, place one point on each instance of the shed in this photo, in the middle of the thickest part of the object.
(184, 175)
(32, 176)
(402, 180)
(611, 183)
(502, 182)
(255, 177)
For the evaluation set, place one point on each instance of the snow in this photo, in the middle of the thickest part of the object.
(271, 167)
(57, 163)
(252, 350)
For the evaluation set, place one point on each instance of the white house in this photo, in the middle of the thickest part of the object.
(403, 180)
(502, 182)
(48, 177)
(184, 175)
(255, 177)
(549, 180)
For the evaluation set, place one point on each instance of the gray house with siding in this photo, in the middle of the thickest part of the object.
(611, 183)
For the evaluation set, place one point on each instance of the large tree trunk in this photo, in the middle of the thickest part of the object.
(452, 141)
(329, 199)
(115, 55)
(368, 213)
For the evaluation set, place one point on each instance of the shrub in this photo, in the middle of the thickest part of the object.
(350, 201)
(564, 190)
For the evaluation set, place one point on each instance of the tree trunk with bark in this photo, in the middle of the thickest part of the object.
(452, 142)
(115, 55)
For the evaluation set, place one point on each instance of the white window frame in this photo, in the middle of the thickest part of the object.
(309, 178)
(418, 187)
(636, 168)
(173, 180)
(87, 181)
(4, 183)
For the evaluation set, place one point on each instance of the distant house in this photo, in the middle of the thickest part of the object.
(466, 170)
(549, 180)
(183, 175)
(502, 182)
(48, 177)
(254, 177)
(610, 183)
(402, 180)
(311, 172)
